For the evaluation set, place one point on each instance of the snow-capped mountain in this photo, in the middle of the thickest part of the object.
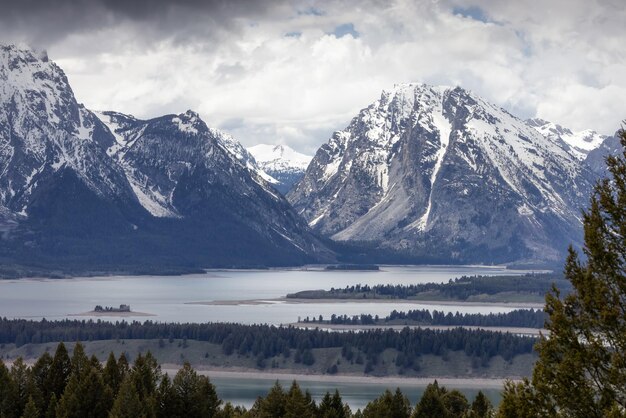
(440, 174)
(282, 163)
(581, 143)
(85, 188)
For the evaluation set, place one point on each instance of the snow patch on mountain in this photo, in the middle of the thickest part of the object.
(581, 142)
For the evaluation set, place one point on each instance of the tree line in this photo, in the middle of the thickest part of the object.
(76, 386)
(526, 318)
(460, 289)
(267, 341)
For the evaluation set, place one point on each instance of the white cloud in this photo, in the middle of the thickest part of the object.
(564, 62)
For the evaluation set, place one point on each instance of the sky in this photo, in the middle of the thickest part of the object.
(292, 72)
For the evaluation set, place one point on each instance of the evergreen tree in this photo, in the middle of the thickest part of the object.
(165, 401)
(111, 374)
(85, 396)
(298, 404)
(455, 403)
(31, 410)
(581, 370)
(21, 386)
(194, 396)
(60, 370)
(51, 411)
(333, 407)
(80, 362)
(274, 404)
(127, 403)
(388, 405)
(7, 393)
(431, 405)
(481, 407)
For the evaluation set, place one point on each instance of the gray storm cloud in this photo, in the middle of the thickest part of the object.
(293, 71)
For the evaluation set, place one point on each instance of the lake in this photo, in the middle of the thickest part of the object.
(168, 298)
(244, 391)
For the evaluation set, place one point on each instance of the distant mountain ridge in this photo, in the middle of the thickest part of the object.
(281, 162)
(580, 143)
(107, 190)
(441, 174)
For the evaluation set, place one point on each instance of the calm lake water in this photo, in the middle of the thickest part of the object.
(245, 391)
(169, 297)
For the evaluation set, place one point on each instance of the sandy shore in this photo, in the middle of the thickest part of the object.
(398, 327)
(236, 373)
(116, 314)
(520, 305)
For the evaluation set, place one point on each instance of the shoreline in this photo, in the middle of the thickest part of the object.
(297, 301)
(399, 327)
(242, 373)
(115, 314)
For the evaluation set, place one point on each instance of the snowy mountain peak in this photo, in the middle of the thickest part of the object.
(429, 167)
(279, 157)
(281, 162)
(581, 142)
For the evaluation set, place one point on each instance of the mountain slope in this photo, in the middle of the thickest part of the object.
(84, 190)
(580, 143)
(442, 175)
(281, 162)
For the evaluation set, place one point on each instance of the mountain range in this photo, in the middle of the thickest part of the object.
(423, 174)
(282, 163)
(104, 190)
(440, 174)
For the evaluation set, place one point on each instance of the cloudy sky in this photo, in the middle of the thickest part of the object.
(292, 72)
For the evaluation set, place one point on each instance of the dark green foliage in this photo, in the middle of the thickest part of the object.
(31, 411)
(145, 393)
(269, 341)
(458, 289)
(389, 405)
(581, 371)
(332, 406)
(530, 318)
(432, 404)
(193, 395)
(481, 407)
(60, 370)
(127, 403)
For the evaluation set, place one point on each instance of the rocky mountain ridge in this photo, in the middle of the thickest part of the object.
(441, 174)
(80, 188)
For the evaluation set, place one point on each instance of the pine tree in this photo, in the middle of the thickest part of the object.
(60, 370)
(388, 405)
(31, 410)
(274, 404)
(127, 403)
(481, 407)
(111, 374)
(51, 411)
(7, 393)
(333, 407)
(581, 370)
(298, 404)
(431, 405)
(85, 396)
(21, 387)
(194, 395)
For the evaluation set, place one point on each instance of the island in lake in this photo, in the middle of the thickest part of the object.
(123, 310)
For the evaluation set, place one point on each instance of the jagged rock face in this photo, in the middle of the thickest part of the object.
(102, 189)
(441, 174)
(43, 129)
(580, 143)
(282, 163)
(596, 158)
(178, 167)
